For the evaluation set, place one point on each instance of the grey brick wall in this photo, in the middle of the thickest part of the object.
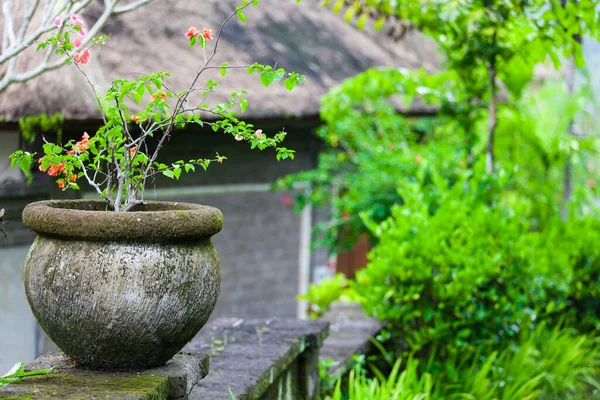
(259, 250)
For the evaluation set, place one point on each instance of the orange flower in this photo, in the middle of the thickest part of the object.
(207, 33)
(191, 32)
(82, 57)
(74, 178)
(161, 95)
(41, 167)
(83, 144)
(133, 151)
(135, 118)
(56, 169)
(61, 184)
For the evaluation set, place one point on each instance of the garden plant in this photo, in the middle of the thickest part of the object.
(482, 216)
(158, 252)
(140, 115)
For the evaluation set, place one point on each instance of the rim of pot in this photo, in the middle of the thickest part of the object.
(154, 221)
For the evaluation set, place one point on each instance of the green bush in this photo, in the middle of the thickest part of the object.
(322, 295)
(472, 268)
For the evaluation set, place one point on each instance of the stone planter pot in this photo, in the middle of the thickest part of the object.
(122, 290)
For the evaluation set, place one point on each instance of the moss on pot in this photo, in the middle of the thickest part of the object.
(122, 290)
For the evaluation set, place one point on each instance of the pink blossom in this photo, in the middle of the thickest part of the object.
(58, 22)
(74, 18)
(239, 137)
(259, 133)
(79, 23)
(82, 33)
(76, 42)
(85, 56)
(191, 32)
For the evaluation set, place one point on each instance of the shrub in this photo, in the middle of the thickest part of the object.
(470, 268)
(322, 295)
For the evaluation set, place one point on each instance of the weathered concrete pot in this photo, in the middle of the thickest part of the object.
(122, 290)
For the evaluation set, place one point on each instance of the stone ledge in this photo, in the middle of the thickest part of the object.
(260, 359)
(350, 333)
(173, 381)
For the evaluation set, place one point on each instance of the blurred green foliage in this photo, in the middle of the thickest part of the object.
(481, 277)
(475, 267)
(326, 292)
(544, 364)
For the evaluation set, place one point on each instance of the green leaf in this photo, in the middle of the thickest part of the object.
(279, 74)
(243, 104)
(25, 164)
(578, 58)
(267, 77)
(177, 173)
(379, 23)
(137, 97)
(464, 333)
(362, 20)
(290, 83)
(241, 16)
(338, 6)
(190, 167)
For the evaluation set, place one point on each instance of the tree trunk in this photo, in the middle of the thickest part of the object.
(568, 178)
(490, 158)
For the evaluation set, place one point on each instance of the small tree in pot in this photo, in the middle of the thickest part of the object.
(122, 282)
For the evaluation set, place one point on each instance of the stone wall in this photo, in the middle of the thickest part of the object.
(259, 248)
(250, 359)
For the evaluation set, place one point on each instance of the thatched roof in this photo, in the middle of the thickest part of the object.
(301, 37)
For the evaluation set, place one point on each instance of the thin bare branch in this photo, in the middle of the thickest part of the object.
(181, 101)
(92, 182)
(131, 7)
(13, 45)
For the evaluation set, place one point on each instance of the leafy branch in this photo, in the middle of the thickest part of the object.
(124, 152)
